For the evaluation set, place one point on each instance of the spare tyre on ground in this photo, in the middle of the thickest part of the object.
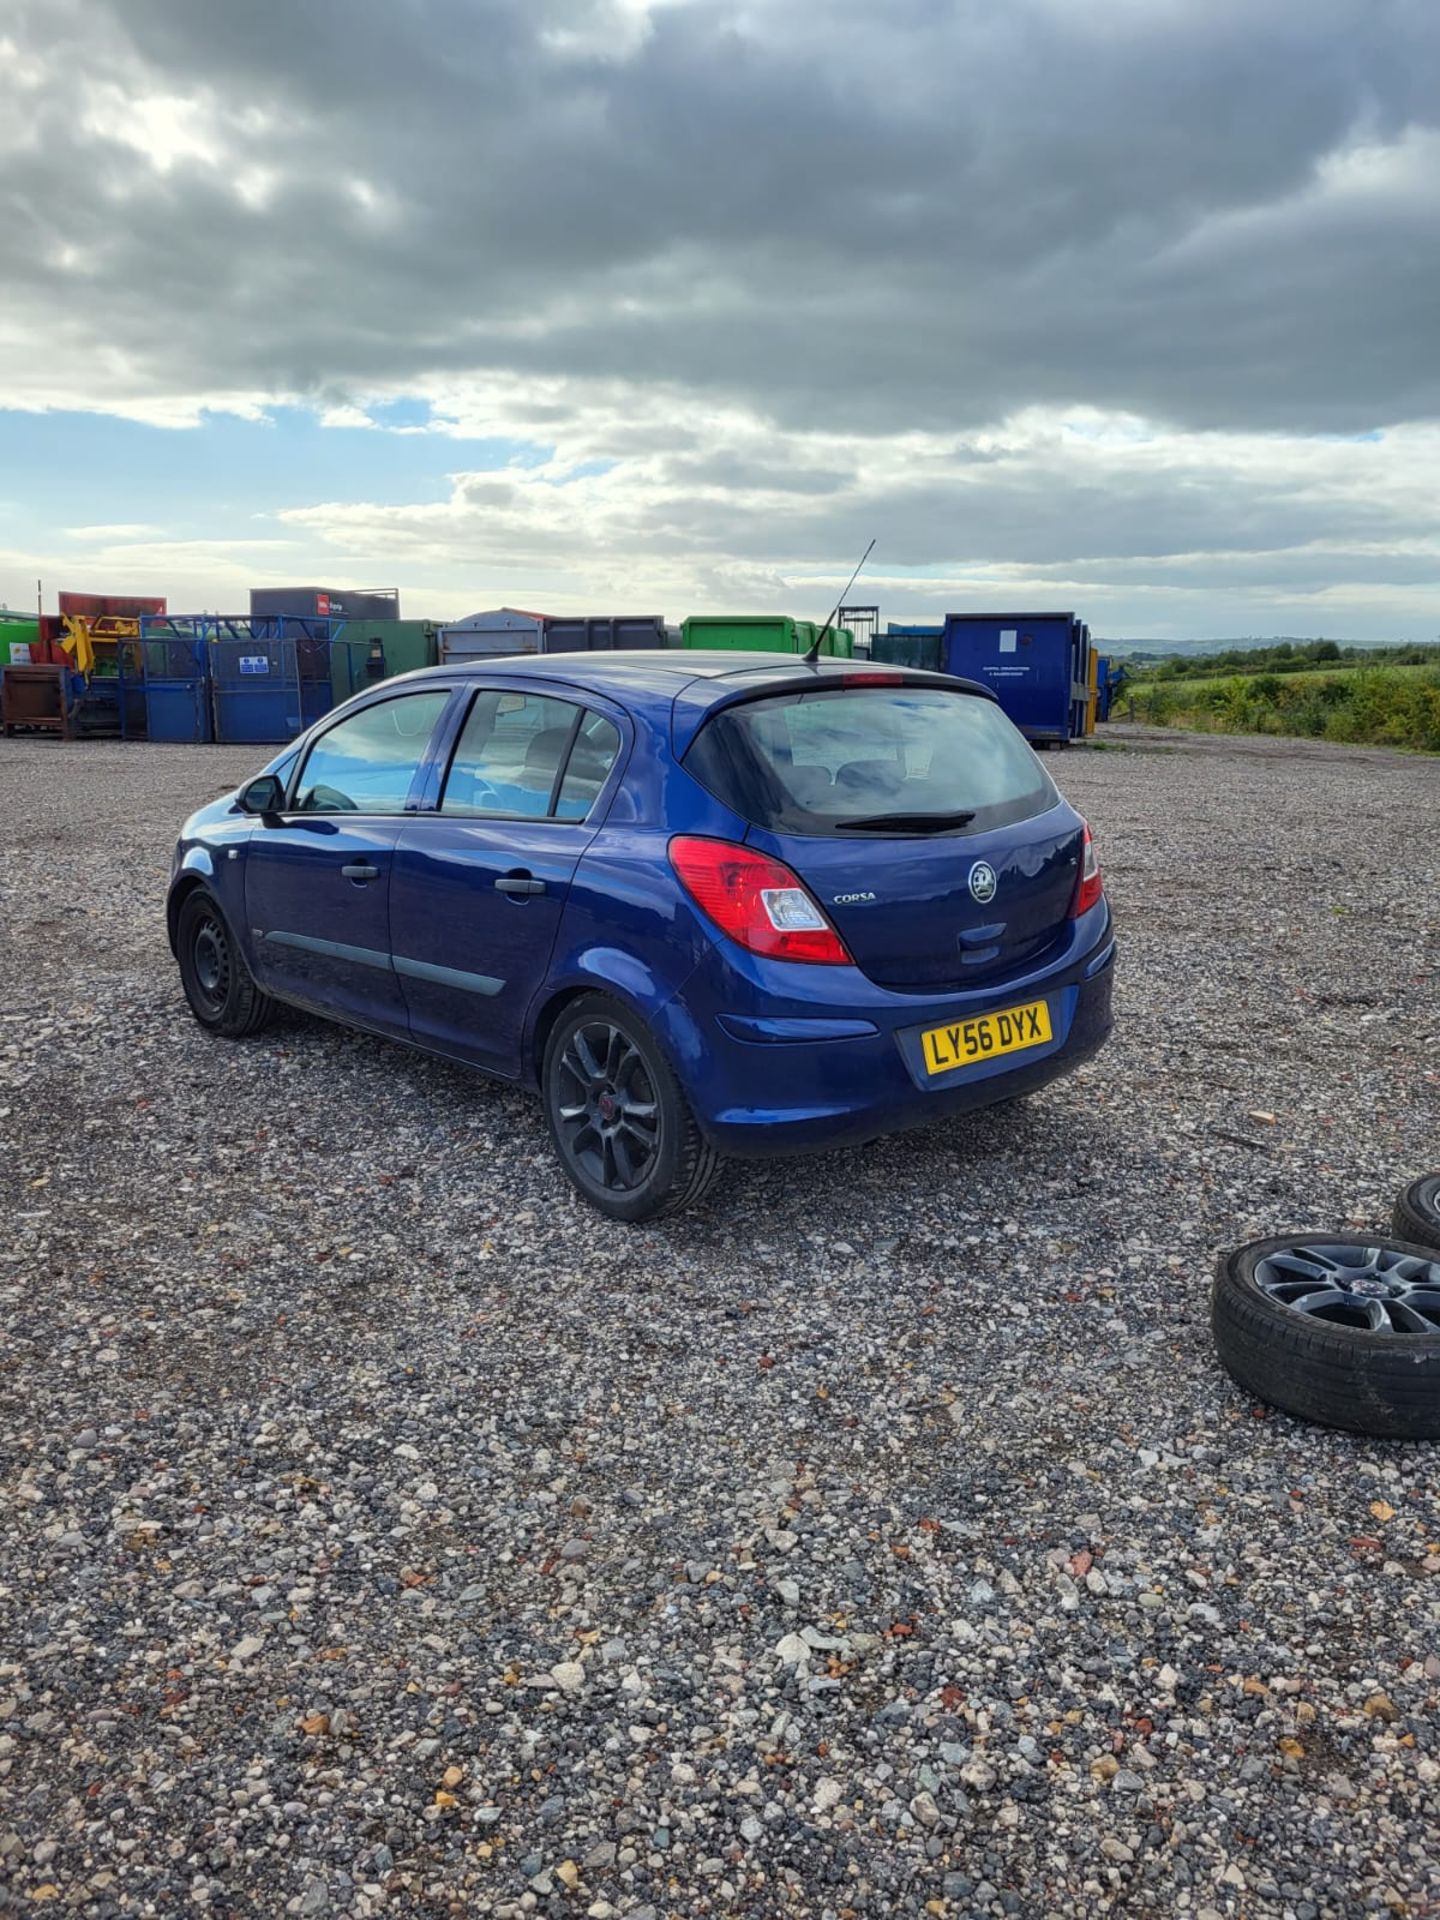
(1417, 1211)
(1335, 1329)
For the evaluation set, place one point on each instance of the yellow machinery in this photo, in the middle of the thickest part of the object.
(93, 641)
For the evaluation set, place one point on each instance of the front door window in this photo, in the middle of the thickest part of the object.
(368, 763)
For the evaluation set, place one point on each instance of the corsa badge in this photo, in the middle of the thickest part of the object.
(983, 883)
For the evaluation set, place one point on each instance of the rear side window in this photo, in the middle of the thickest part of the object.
(591, 757)
(528, 756)
(872, 759)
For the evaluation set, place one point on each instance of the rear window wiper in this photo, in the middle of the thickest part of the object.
(905, 822)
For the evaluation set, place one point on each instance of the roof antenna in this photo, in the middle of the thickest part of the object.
(813, 655)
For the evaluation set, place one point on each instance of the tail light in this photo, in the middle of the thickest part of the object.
(757, 901)
(1091, 884)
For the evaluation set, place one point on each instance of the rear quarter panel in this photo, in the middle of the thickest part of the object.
(629, 928)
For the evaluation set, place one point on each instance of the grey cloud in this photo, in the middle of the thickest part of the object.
(752, 251)
(917, 214)
(1137, 517)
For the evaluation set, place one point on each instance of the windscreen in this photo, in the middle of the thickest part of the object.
(871, 759)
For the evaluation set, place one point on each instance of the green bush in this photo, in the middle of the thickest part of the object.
(1365, 705)
(1305, 716)
(1285, 656)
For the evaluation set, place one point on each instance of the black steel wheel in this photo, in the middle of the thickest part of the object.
(1340, 1331)
(1417, 1211)
(623, 1129)
(222, 992)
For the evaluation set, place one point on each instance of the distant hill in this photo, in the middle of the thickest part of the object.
(1248, 661)
(1175, 649)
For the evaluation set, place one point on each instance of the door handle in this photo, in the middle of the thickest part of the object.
(519, 884)
(361, 870)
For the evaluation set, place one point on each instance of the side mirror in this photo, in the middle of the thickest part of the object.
(264, 794)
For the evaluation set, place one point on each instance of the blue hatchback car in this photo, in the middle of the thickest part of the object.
(704, 904)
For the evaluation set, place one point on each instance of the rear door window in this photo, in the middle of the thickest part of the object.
(529, 756)
(871, 759)
(597, 741)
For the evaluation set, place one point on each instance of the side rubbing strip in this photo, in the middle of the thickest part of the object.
(485, 983)
(332, 949)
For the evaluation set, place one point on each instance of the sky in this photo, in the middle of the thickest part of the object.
(1130, 306)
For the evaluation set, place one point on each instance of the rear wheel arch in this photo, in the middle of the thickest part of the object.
(554, 1007)
(544, 1025)
(644, 993)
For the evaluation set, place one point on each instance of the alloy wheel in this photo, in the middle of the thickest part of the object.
(1372, 1289)
(607, 1114)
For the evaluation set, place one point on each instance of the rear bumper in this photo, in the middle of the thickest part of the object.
(793, 1075)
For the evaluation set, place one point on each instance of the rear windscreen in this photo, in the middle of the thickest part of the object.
(861, 758)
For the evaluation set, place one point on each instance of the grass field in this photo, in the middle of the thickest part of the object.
(1397, 706)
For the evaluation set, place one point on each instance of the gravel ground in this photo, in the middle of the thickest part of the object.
(386, 1533)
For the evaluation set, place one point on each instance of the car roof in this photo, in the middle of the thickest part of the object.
(678, 687)
(666, 670)
(669, 667)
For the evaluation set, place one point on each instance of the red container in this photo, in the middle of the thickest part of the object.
(48, 647)
(82, 605)
(91, 605)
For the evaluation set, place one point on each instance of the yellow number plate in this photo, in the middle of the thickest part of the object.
(986, 1037)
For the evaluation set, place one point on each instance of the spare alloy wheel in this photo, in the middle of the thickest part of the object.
(1417, 1211)
(1341, 1331)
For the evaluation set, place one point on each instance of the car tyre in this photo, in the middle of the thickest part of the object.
(1336, 1331)
(219, 986)
(1417, 1211)
(623, 1129)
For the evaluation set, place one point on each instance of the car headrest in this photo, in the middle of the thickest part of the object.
(544, 751)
